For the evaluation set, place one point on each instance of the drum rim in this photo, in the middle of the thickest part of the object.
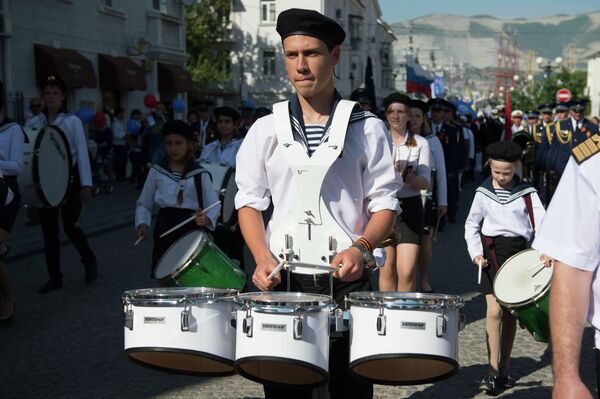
(177, 295)
(534, 299)
(430, 301)
(35, 171)
(178, 270)
(243, 301)
(239, 361)
(228, 362)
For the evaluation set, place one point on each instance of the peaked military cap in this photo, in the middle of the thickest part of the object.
(297, 21)
(577, 105)
(361, 95)
(562, 107)
(533, 114)
(546, 108)
(439, 104)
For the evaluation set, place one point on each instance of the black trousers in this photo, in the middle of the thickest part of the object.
(597, 352)
(341, 384)
(70, 212)
(452, 196)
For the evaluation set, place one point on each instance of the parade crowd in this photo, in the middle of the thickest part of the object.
(395, 185)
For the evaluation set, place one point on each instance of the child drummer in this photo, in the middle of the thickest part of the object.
(180, 187)
(509, 209)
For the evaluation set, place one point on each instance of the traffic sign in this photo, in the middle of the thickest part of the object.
(563, 95)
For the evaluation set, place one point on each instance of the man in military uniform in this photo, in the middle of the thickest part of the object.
(561, 138)
(452, 141)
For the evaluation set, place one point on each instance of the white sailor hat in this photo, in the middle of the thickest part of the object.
(516, 114)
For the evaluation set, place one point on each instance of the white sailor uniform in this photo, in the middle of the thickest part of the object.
(12, 139)
(221, 154)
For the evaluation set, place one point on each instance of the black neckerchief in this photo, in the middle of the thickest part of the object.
(163, 168)
(520, 189)
(297, 120)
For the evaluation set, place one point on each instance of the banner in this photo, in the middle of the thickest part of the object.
(418, 80)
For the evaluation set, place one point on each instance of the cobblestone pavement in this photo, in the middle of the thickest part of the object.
(69, 343)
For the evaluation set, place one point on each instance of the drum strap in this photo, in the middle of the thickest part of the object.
(198, 186)
(489, 243)
(529, 206)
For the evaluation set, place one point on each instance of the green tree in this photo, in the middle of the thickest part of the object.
(544, 90)
(206, 39)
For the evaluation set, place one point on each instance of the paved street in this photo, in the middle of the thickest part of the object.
(69, 343)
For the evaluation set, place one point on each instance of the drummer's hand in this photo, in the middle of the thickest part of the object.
(85, 194)
(479, 258)
(201, 219)
(441, 211)
(142, 231)
(548, 261)
(352, 265)
(264, 267)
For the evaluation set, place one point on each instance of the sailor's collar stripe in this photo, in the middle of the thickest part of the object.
(492, 195)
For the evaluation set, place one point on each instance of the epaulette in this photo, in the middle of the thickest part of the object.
(587, 149)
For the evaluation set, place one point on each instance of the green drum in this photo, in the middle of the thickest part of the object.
(522, 285)
(195, 261)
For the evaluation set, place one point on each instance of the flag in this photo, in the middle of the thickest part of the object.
(507, 120)
(438, 87)
(369, 83)
(418, 80)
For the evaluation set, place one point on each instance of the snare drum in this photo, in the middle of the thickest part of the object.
(181, 329)
(399, 338)
(283, 337)
(47, 168)
(223, 178)
(195, 261)
(525, 292)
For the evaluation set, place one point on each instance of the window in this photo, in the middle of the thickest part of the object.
(267, 11)
(268, 63)
(160, 5)
(385, 55)
(107, 3)
(355, 31)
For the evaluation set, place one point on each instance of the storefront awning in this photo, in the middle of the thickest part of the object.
(69, 65)
(173, 77)
(120, 73)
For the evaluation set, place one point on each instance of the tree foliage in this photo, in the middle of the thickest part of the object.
(542, 91)
(205, 26)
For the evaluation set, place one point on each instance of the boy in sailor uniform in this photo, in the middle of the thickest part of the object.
(54, 94)
(326, 165)
(180, 187)
(509, 209)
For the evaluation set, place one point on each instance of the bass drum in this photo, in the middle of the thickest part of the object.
(223, 178)
(47, 172)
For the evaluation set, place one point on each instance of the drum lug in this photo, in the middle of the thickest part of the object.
(440, 326)
(129, 317)
(233, 319)
(185, 318)
(247, 326)
(297, 328)
(381, 321)
(338, 323)
(462, 321)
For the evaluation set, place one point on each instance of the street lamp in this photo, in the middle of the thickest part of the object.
(547, 65)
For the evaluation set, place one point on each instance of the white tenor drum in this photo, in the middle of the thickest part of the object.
(185, 330)
(223, 178)
(47, 168)
(283, 337)
(403, 338)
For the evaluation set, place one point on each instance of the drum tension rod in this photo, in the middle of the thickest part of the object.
(128, 315)
(185, 317)
(247, 323)
(381, 320)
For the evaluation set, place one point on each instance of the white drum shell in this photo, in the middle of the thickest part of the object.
(159, 328)
(407, 333)
(279, 342)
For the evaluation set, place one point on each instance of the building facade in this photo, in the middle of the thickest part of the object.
(258, 72)
(593, 82)
(110, 53)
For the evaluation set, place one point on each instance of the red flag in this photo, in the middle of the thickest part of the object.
(507, 120)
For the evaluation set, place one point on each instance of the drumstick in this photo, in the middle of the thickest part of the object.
(186, 221)
(140, 238)
(276, 270)
(530, 268)
(437, 225)
(480, 264)
(328, 268)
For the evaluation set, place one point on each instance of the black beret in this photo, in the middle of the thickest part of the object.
(177, 127)
(396, 97)
(53, 80)
(422, 105)
(229, 112)
(297, 21)
(361, 95)
(504, 150)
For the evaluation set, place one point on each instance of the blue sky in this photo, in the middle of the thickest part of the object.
(400, 10)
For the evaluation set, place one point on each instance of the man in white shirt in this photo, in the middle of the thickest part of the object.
(358, 189)
(119, 145)
(570, 234)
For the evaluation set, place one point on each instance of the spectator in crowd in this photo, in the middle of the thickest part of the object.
(119, 145)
